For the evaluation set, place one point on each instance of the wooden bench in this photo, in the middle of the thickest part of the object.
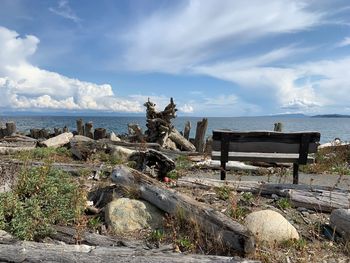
(264, 146)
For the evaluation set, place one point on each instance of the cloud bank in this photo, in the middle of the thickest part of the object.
(25, 86)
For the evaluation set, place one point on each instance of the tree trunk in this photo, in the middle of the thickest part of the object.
(80, 127)
(187, 130)
(222, 228)
(319, 198)
(88, 129)
(99, 133)
(10, 128)
(199, 140)
(184, 144)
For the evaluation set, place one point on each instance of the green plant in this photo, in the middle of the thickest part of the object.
(283, 203)
(247, 197)
(185, 243)
(182, 162)
(41, 198)
(157, 235)
(173, 174)
(44, 153)
(299, 244)
(94, 223)
(238, 212)
(223, 192)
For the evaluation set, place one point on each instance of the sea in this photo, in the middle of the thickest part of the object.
(330, 128)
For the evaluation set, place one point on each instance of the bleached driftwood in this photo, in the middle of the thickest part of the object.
(319, 198)
(16, 143)
(340, 221)
(58, 140)
(181, 141)
(222, 228)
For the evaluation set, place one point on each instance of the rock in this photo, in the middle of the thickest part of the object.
(113, 137)
(58, 140)
(6, 238)
(270, 226)
(120, 152)
(340, 222)
(126, 215)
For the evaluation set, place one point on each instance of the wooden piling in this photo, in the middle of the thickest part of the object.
(99, 133)
(278, 127)
(88, 129)
(199, 142)
(10, 128)
(187, 130)
(80, 127)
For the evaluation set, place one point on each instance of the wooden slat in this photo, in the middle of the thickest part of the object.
(264, 147)
(265, 136)
(261, 157)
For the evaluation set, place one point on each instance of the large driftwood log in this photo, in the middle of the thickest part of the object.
(199, 141)
(58, 140)
(319, 198)
(228, 232)
(80, 127)
(13, 144)
(176, 137)
(33, 252)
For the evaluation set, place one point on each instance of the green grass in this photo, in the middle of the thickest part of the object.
(283, 203)
(42, 153)
(223, 192)
(41, 198)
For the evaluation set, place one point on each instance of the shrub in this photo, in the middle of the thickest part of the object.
(41, 198)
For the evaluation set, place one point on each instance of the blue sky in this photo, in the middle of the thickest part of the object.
(215, 57)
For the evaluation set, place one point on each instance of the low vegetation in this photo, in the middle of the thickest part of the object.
(45, 153)
(41, 198)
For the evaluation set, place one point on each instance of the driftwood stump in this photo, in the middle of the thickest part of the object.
(100, 133)
(80, 127)
(89, 129)
(10, 128)
(199, 141)
(187, 130)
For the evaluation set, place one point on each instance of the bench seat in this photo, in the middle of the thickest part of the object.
(261, 157)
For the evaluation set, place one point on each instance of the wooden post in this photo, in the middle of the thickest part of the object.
(295, 173)
(80, 127)
(88, 129)
(57, 131)
(10, 128)
(187, 130)
(99, 133)
(43, 133)
(34, 133)
(200, 135)
(65, 129)
(278, 127)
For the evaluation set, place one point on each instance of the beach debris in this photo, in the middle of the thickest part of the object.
(199, 141)
(135, 133)
(88, 129)
(119, 152)
(271, 226)
(340, 222)
(187, 130)
(83, 147)
(58, 141)
(152, 162)
(113, 137)
(100, 133)
(16, 143)
(230, 233)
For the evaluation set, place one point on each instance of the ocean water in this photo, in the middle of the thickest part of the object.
(329, 128)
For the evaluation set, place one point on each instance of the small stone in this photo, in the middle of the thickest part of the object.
(270, 226)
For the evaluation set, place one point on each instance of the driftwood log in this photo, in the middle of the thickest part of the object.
(222, 228)
(88, 130)
(340, 222)
(10, 128)
(100, 133)
(187, 130)
(319, 198)
(179, 140)
(80, 127)
(58, 140)
(12, 144)
(199, 140)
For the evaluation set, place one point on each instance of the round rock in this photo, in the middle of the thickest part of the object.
(126, 215)
(270, 226)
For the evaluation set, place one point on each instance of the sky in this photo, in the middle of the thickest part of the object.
(214, 57)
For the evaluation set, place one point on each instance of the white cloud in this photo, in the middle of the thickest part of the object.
(63, 9)
(186, 108)
(173, 40)
(345, 42)
(25, 86)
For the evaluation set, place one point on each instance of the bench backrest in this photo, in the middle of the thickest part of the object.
(301, 143)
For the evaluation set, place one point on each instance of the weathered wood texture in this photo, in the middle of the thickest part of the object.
(187, 130)
(42, 252)
(199, 140)
(80, 127)
(57, 131)
(58, 140)
(340, 221)
(65, 129)
(228, 232)
(12, 144)
(10, 128)
(261, 157)
(319, 198)
(100, 133)
(176, 137)
(88, 130)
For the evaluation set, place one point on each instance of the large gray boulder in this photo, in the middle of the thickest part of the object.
(340, 222)
(270, 226)
(125, 215)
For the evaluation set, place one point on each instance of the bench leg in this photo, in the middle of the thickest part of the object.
(295, 173)
(223, 170)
